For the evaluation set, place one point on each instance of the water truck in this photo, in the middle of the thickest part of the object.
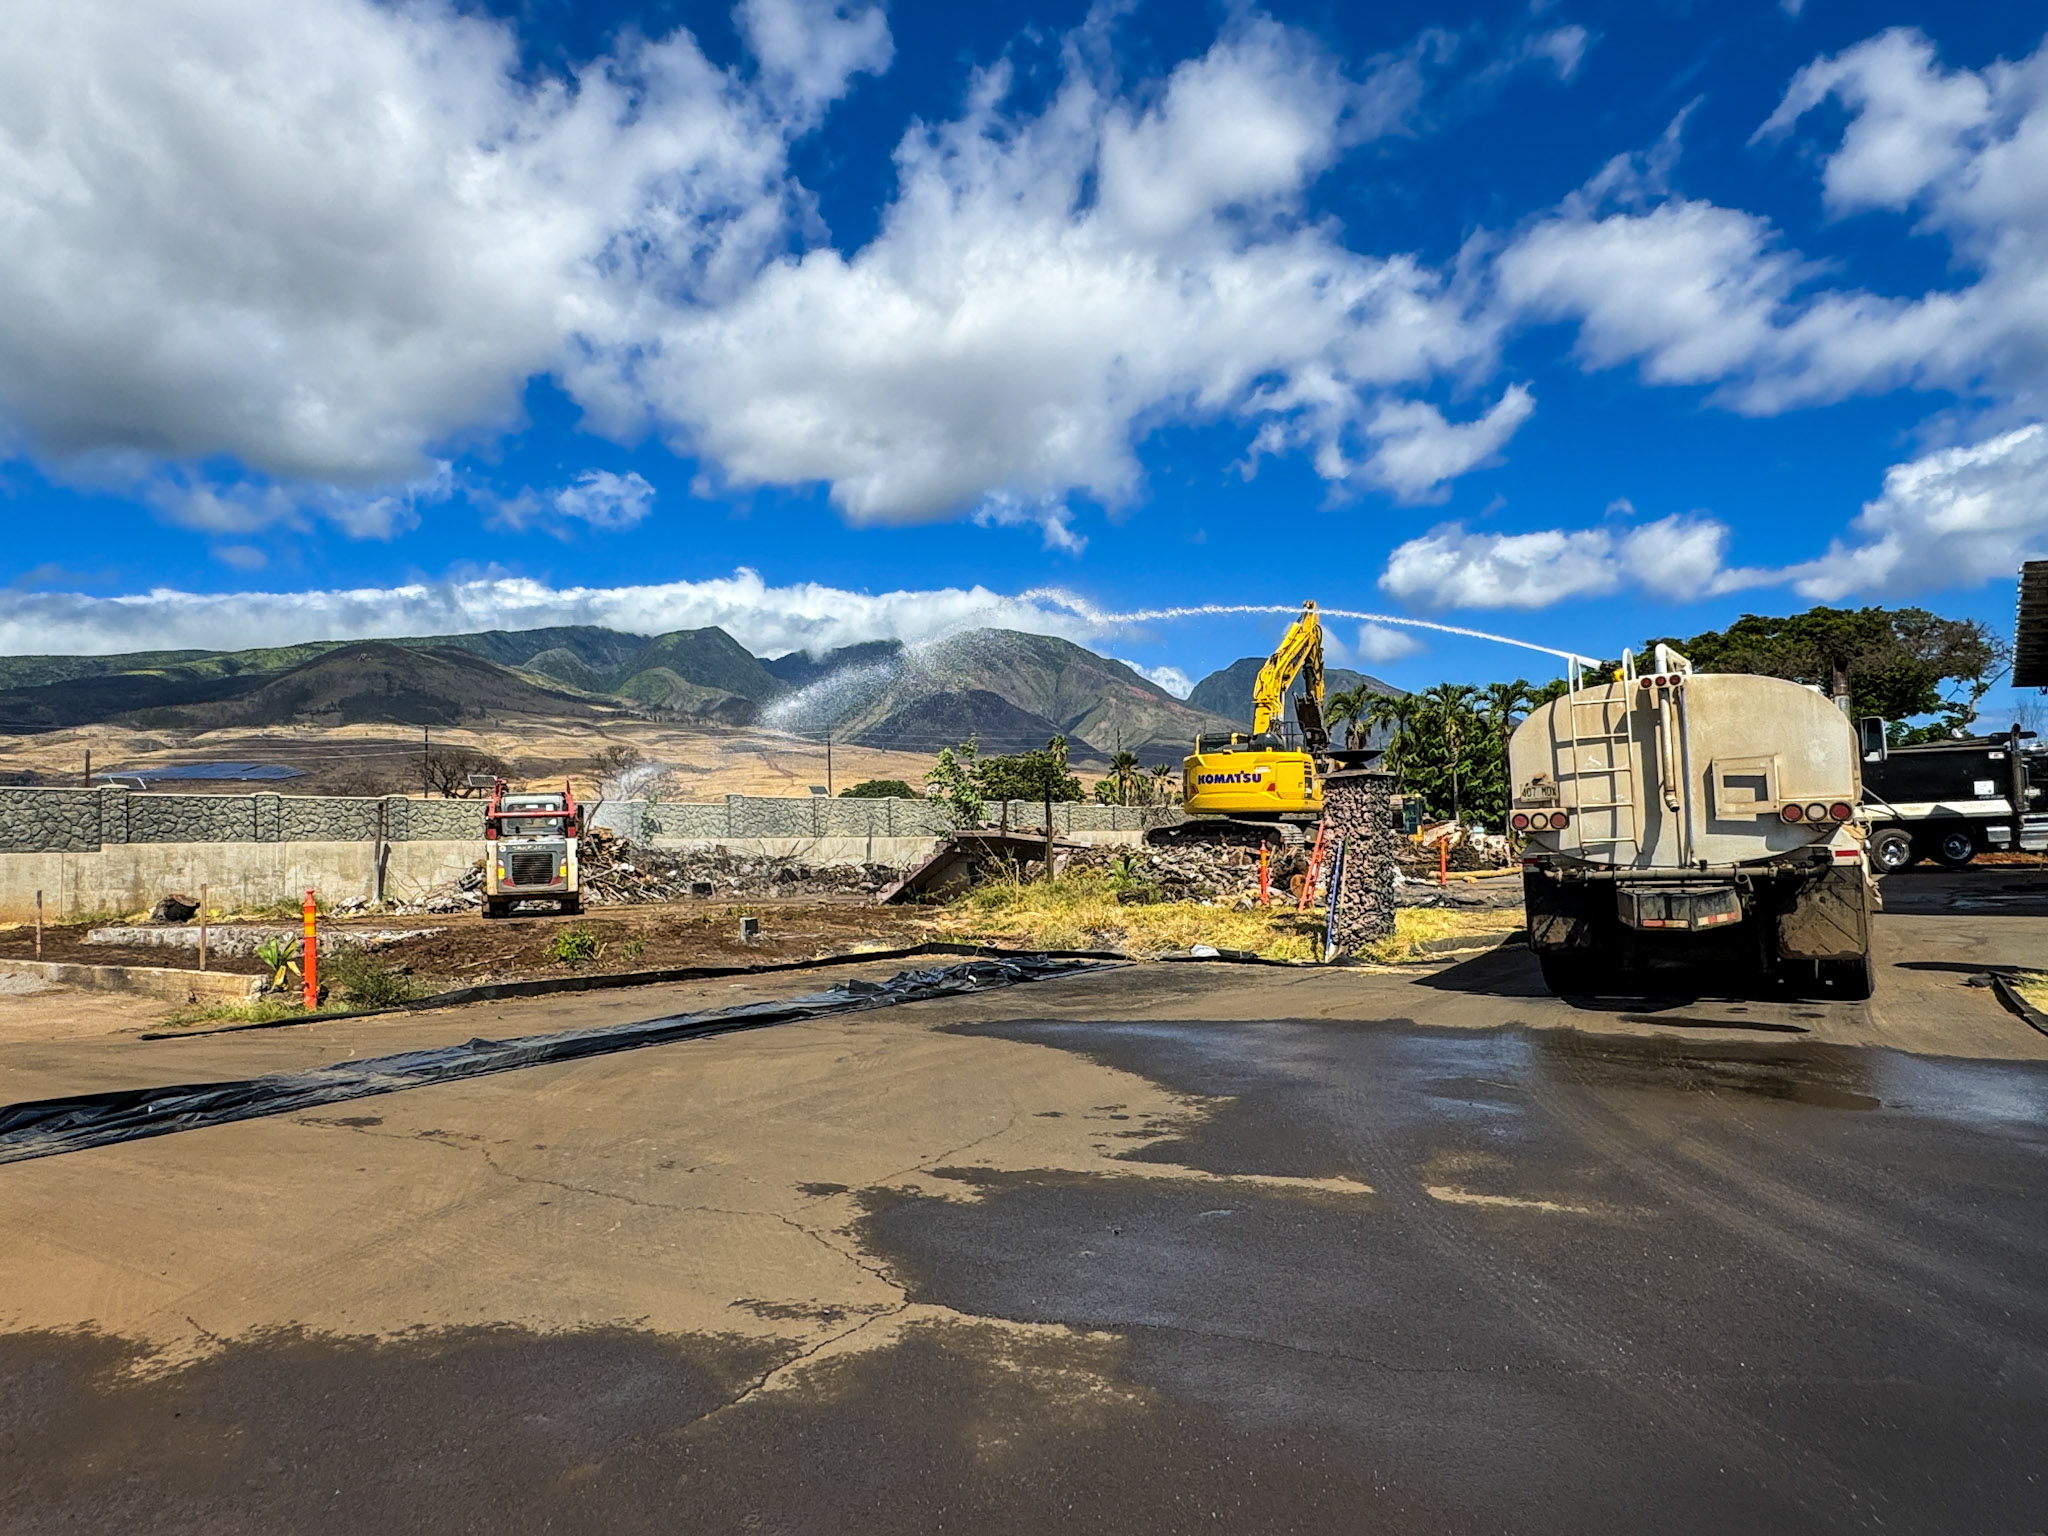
(1681, 819)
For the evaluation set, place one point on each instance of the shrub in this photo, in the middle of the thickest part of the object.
(575, 946)
(359, 977)
(879, 789)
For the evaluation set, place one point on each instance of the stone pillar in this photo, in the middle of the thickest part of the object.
(269, 818)
(113, 815)
(1360, 832)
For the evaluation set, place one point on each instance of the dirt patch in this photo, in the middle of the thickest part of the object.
(471, 950)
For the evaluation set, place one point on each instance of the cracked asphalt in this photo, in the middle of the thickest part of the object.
(1164, 1248)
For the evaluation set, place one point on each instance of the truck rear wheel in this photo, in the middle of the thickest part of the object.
(1954, 847)
(1850, 980)
(1891, 849)
(493, 907)
(1566, 975)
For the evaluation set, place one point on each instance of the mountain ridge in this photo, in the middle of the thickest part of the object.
(1010, 689)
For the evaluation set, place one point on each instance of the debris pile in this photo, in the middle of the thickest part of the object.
(1469, 848)
(615, 871)
(1194, 871)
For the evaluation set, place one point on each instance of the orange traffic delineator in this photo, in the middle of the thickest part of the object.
(310, 962)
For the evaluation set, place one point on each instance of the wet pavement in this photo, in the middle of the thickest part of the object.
(1155, 1251)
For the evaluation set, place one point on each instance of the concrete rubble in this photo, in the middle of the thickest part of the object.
(618, 872)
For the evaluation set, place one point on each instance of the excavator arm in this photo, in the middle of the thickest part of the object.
(1298, 655)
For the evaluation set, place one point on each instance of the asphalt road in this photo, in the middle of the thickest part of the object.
(1162, 1249)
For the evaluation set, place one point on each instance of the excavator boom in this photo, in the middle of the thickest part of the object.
(1237, 783)
(1298, 655)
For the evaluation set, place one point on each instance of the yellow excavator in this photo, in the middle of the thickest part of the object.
(1264, 777)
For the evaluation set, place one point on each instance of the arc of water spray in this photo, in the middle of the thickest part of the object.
(1093, 614)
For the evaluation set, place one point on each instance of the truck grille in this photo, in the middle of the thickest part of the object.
(530, 866)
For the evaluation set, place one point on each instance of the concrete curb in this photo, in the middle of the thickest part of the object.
(2009, 995)
(177, 986)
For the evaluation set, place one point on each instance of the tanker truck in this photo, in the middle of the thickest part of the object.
(1674, 819)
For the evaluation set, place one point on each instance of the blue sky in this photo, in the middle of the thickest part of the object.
(1569, 321)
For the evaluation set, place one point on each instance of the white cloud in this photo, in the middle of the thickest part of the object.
(331, 242)
(1416, 450)
(1956, 517)
(324, 238)
(1054, 522)
(1677, 558)
(1172, 679)
(606, 501)
(1697, 293)
(1377, 643)
(1048, 286)
(769, 620)
(810, 49)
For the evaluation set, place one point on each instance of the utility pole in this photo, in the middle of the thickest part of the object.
(828, 766)
(88, 767)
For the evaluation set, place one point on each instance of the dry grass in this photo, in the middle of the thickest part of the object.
(1081, 911)
(261, 1010)
(2033, 986)
(1417, 926)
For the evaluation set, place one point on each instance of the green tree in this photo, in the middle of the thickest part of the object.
(879, 789)
(956, 779)
(1898, 663)
(1348, 707)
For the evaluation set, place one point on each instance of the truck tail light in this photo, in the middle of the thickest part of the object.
(1792, 813)
(1840, 811)
(1816, 812)
(1559, 820)
(490, 832)
(1519, 822)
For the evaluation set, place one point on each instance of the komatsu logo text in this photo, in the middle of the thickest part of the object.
(1254, 777)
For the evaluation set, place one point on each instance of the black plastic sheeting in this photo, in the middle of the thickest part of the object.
(45, 1127)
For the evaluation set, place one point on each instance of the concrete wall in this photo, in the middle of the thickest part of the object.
(130, 877)
(118, 850)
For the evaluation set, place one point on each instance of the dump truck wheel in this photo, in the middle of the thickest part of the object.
(572, 906)
(1955, 848)
(1892, 849)
(493, 907)
(1850, 980)
(1566, 975)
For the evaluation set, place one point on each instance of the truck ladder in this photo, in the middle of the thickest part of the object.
(1617, 767)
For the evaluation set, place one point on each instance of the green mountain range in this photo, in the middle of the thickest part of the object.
(1010, 690)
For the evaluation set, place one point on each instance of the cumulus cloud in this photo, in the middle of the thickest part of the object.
(809, 49)
(1679, 558)
(1048, 285)
(329, 244)
(1417, 450)
(769, 620)
(325, 237)
(1378, 643)
(1693, 292)
(1952, 518)
(1172, 679)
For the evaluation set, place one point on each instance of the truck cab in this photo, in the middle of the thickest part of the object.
(530, 844)
(1952, 800)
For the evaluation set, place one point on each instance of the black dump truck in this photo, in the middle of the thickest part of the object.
(1952, 800)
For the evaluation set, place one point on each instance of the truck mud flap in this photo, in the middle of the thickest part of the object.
(1829, 918)
(45, 1127)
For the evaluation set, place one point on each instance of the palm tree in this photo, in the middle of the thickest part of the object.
(1451, 705)
(1395, 711)
(1347, 705)
(1162, 784)
(1124, 765)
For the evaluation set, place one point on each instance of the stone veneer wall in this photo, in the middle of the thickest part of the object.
(83, 820)
(1359, 817)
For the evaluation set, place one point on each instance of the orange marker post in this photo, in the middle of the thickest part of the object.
(1265, 878)
(1443, 861)
(310, 961)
